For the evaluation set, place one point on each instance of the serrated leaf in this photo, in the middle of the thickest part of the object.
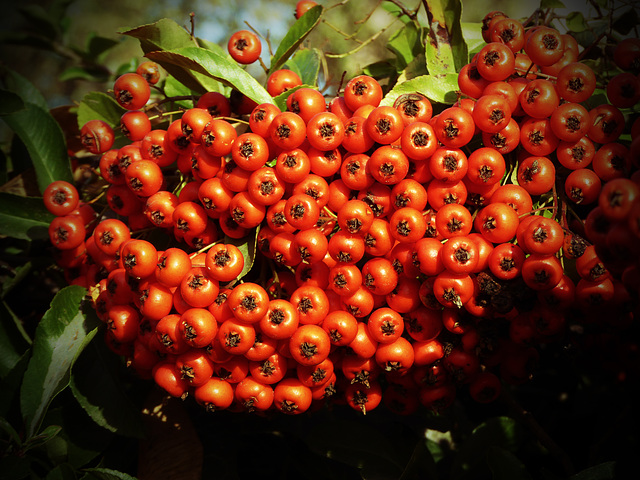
(25, 218)
(295, 36)
(306, 63)
(107, 474)
(38, 130)
(212, 65)
(439, 89)
(99, 106)
(10, 102)
(575, 22)
(60, 336)
(446, 49)
(505, 465)
(544, 4)
(104, 401)
(604, 471)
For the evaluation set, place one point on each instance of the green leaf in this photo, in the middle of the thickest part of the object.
(43, 437)
(544, 4)
(105, 401)
(11, 388)
(505, 465)
(247, 247)
(575, 22)
(211, 65)
(166, 34)
(8, 428)
(98, 46)
(406, 43)
(445, 46)
(40, 20)
(173, 88)
(20, 273)
(359, 445)
(81, 73)
(604, 471)
(25, 218)
(60, 336)
(281, 100)
(38, 130)
(501, 432)
(61, 472)
(10, 102)
(99, 106)
(306, 63)
(437, 89)
(295, 36)
(107, 474)
(472, 34)
(381, 69)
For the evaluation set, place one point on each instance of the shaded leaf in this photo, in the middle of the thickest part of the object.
(99, 106)
(106, 474)
(43, 437)
(97, 46)
(10, 102)
(173, 88)
(60, 336)
(437, 89)
(11, 387)
(503, 432)
(604, 471)
(544, 4)
(626, 21)
(212, 65)
(38, 130)
(359, 445)
(306, 63)
(24, 217)
(421, 464)
(381, 69)
(295, 36)
(575, 22)
(20, 273)
(105, 401)
(61, 472)
(40, 20)
(505, 465)
(75, 73)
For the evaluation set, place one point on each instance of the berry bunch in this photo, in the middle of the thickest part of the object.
(364, 249)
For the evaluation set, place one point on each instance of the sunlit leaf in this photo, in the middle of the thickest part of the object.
(212, 65)
(445, 46)
(406, 43)
(472, 34)
(306, 63)
(60, 336)
(247, 247)
(105, 401)
(440, 89)
(295, 36)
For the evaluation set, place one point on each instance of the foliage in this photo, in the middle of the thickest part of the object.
(69, 408)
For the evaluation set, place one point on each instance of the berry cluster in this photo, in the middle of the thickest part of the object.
(403, 250)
